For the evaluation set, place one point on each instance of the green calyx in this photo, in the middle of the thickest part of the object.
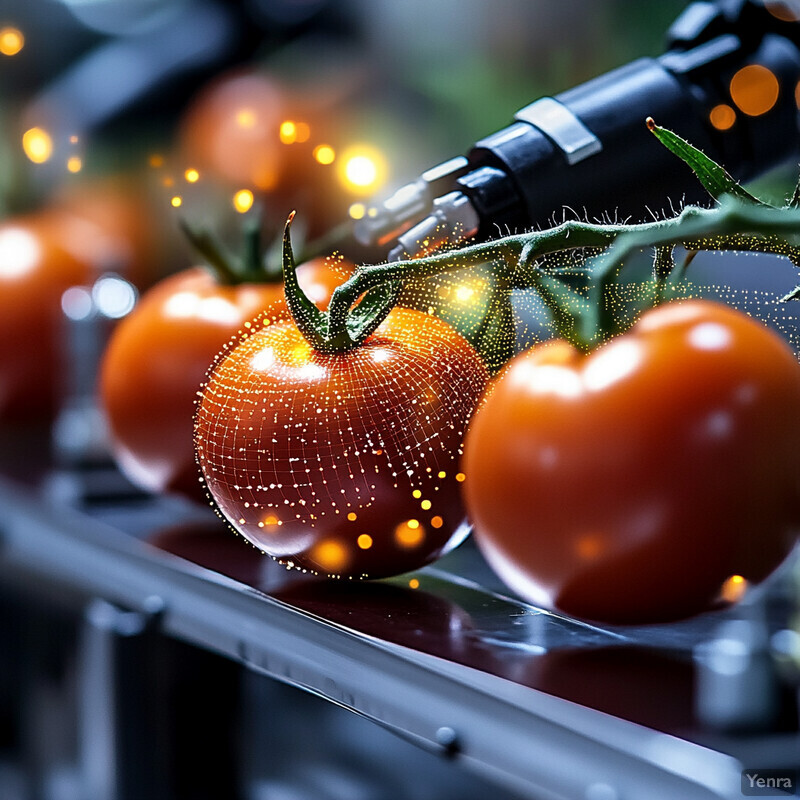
(345, 325)
(251, 265)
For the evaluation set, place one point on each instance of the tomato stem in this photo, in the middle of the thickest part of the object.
(582, 301)
(340, 329)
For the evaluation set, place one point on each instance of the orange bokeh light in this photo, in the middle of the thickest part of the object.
(754, 89)
(722, 117)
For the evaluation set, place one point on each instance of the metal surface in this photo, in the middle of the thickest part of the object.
(562, 126)
(453, 667)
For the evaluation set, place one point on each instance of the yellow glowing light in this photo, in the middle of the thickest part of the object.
(330, 555)
(191, 175)
(413, 583)
(271, 521)
(325, 154)
(754, 89)
(156, 160)
(364, 541)
(352, 516)
(11, 41)
(442, 474)
(416, 494)
(733, 588)
(409, 534)
(288, 132)
(362, 168)
(176, 201)
(722, 117)
(361, 171)
(464, 293)
(74, 164)
(246, 118)
(461, 477)
(425, 505)
(357, 211)
(37, 144)
(437, 522)
(243, 200)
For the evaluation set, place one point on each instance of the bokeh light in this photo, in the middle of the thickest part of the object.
(288, 132)
(733, 589)
(243, 200)
(357, 211)
(12, 41)
(754, 89)
(722, 117)
(362, 169)
(37, 144)
(324, 154)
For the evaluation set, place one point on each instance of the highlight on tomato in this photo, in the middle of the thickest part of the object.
(157, 357)
(640, 481)
(39, 261)
(332, 441)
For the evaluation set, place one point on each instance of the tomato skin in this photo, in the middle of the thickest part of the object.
(628, 484)
(342, 464)
(35, 270)
(158, 356)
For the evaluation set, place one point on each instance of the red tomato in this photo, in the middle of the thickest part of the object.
(35, 269)
(158, 356)
(342, 464)
(119, 207)
(232, 129)
(628, 484)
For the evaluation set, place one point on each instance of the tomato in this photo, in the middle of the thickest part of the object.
(36, 266)
(628, 484)
(344, 464)
(119, 207)
(158, 356)
(231, 129)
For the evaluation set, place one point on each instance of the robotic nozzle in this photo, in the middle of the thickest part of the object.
(417, 218)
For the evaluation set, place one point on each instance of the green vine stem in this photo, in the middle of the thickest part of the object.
(583, 313)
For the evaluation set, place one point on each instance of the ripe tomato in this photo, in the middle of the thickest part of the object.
(231, 129)
(343, 464)
(628, 484)
(158, 356)
(119, 207)
(36, 266)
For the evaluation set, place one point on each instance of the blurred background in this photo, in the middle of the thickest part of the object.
(129, 112)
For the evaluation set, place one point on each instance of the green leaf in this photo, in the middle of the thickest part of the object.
(715, 178)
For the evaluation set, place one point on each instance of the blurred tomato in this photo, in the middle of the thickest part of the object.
(158, 356)
(39, 260)
(119, 206)
(232, 130)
